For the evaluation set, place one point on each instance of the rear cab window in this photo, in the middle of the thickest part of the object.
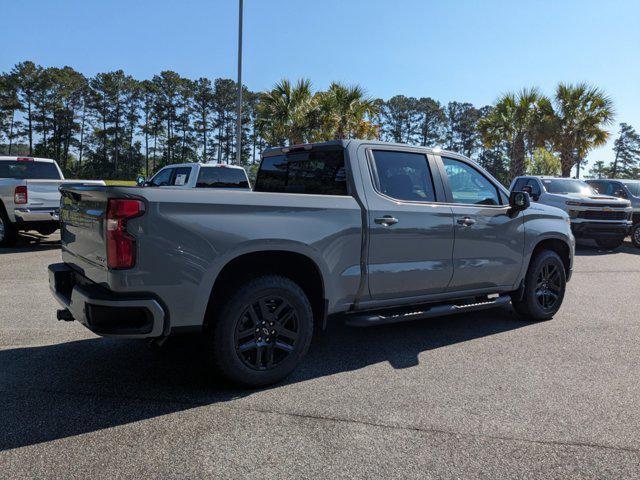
(222, 177)
(319, 171)
(21, 169)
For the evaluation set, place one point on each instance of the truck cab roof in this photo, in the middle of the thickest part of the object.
(270, 151)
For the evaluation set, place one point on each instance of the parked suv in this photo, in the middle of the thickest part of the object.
(199, 175)
(605, 219)
(627, 189)
(369, 232)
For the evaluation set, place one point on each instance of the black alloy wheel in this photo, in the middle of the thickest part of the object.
(543, 289)
(266, 332)
(261, 331)
(548, 286)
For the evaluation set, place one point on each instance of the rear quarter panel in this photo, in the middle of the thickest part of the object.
(186, 237)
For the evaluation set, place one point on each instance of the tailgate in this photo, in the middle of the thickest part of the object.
(43, 193)
(82, 233)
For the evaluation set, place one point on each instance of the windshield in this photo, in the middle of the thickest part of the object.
(567, 185)
(634, 188)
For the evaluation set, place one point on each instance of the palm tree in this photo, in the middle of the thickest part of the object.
(516, 120)
(285, 112)
(346, 112)
(580, 113)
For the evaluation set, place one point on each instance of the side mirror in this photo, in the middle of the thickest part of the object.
(519, 201)
(140, 181)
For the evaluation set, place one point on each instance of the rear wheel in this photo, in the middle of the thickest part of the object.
(635, 235)
(8, 233)
(544, 287)
(610, 243)
(262, 332)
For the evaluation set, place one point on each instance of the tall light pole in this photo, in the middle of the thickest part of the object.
(239, 107)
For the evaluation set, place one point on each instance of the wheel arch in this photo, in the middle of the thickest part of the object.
(558, 246)
(298, 267)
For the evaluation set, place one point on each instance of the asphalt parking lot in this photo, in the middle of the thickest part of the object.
(472, 396)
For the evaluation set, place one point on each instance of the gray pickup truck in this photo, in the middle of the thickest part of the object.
(367, 232)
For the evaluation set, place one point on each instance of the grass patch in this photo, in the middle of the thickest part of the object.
(121, 183)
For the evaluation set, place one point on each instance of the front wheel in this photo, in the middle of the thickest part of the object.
(610, 243)
(262, 332)
(635, 235)
(544, 287)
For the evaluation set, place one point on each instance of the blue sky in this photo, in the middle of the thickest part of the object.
(449, 50)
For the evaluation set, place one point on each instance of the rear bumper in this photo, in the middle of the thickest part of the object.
(27, 215)
(600, 230)
(105, 312)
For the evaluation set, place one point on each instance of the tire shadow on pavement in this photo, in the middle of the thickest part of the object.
(586, 248)
(28, 242)
(56, 391)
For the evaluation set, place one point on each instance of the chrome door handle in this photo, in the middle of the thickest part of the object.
(466, 221)
(386, 221)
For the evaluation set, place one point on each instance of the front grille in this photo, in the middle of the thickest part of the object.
(602, 205)
(600, 215)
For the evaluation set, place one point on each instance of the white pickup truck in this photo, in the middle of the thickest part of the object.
(199, 175)
(29, 196)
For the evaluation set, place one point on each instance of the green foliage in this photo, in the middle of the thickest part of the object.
(577, 122)
(543, 162)
(626, 163)
(517, 121)
(600, 170)
(113, 126)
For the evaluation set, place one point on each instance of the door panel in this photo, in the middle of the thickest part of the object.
(487, 251)
(489, 238)
(411, 236)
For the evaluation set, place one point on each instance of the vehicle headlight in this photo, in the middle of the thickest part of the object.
(571, 202)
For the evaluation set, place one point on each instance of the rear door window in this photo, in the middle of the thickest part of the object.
(318, 171)
(404, 175)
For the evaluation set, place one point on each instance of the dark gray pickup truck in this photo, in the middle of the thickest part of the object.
(367, 232)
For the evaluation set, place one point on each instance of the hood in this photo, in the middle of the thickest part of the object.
(548, 210)
(595, 200)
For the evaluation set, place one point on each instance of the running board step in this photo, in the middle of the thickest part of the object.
(440, 310)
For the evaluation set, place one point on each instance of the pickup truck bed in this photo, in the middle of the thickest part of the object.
(366, 231)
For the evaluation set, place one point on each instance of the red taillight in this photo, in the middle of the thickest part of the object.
(121, 247)
(20, 196)
(24, 159)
